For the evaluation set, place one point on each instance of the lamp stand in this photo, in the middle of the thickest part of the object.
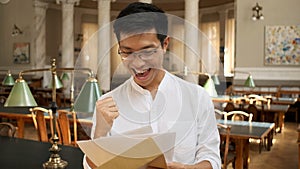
(54, 162)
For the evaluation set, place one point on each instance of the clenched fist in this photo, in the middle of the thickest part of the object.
(107, 111)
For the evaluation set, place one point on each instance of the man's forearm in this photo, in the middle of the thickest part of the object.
(100, 133)
(101, 129)
(201, 165)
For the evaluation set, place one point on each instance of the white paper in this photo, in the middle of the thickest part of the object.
(136, 144)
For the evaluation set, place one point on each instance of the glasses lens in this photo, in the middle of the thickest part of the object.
(145, 54)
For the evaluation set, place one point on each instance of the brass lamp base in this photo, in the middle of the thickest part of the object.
(55, 162)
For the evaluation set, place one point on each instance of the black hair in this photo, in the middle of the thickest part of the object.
(139, 17)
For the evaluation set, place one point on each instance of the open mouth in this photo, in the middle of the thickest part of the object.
(141, 73)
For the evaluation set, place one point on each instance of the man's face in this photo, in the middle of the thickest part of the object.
(143, 54)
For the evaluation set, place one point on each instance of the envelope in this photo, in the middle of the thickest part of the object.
(130, 151)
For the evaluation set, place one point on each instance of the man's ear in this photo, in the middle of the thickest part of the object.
(166, 44)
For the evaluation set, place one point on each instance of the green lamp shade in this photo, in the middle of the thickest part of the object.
(58, 83)
(20, 96)
(64, 76)
(215, 79)
(86, 100)
(209, 86)
(8, 80)
(249, 82)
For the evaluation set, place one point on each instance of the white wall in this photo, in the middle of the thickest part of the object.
(250, 38)
(21, 13)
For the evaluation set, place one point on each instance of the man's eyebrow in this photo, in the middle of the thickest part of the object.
(125, 47)
(149, 46)
(144, 47)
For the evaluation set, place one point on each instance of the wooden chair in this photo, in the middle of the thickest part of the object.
(252, 109)
(238, 116)
(7, 129)
(226, 155)
(65, 128)
(241, 102)
(229, 107)
(40, 124)
(219, 114)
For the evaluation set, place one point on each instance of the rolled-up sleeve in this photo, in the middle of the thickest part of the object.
(208, 135)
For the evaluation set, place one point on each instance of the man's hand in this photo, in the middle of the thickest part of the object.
(175, 165)
(201, 165)
(107, 111)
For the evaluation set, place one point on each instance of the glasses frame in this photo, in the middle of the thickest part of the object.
(143, 54)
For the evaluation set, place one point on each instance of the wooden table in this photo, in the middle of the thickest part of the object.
(221, 99)
(284, 101)
(242, 131)
(22, 115)
(274, 113)
(20, 153)
(270, 112)
(227, 98)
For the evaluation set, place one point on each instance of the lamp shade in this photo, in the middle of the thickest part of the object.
(89, 94)
(215, 79)
(64, 76)
(249, 82)
(58, 83)
(20, 96)
(8, 80)
(209, 86)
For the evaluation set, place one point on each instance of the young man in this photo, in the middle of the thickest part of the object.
(153, 96)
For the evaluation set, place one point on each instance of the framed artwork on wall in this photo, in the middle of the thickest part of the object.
(21, 53)
(282, 45)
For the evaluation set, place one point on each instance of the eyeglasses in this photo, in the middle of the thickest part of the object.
(144, 54)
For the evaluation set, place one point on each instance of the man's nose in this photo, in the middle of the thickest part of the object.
(137, 60)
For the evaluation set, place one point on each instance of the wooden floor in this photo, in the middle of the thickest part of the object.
(283, 154)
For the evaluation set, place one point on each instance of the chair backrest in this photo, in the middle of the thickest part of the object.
(219, 114)
(257, 99)
(224, 131)
(229, 107)
(252, 109)
(65, 128)
(7, 129)
(39, 121)
(238, 116)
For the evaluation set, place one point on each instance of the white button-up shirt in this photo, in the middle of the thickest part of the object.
(180, 107)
